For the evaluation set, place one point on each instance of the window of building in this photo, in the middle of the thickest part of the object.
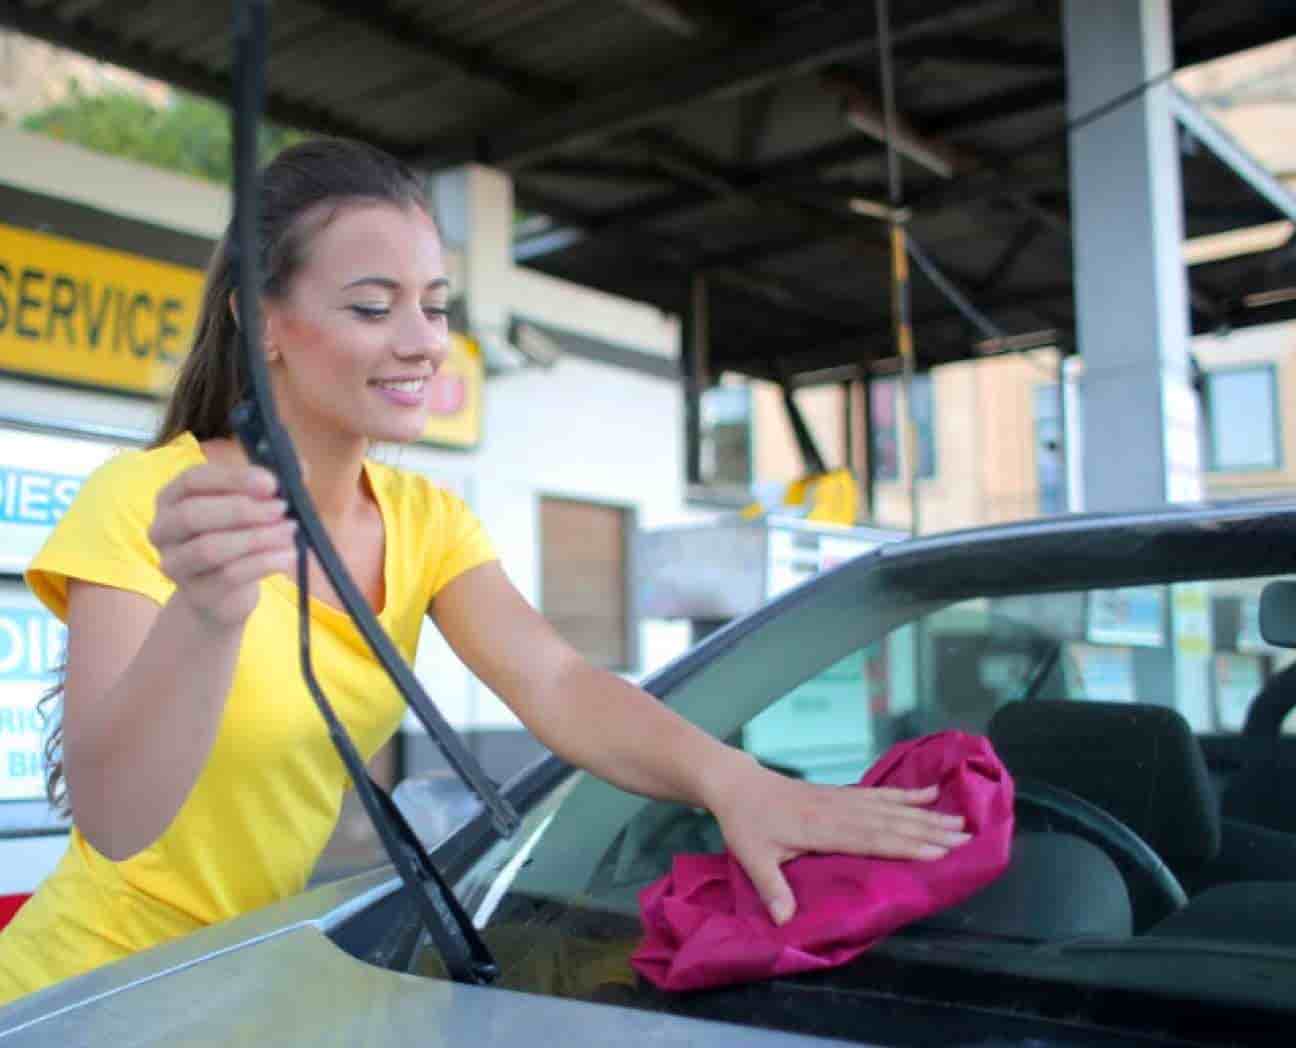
(885, 425)
(1050, 464)
(727, 437)
(584, 578)
(1242, 419)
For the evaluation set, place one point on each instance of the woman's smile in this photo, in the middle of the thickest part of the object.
(402, 392)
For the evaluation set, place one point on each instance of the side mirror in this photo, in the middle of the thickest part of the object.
(1278, 614)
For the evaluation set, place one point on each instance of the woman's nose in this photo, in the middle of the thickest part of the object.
(425, 339)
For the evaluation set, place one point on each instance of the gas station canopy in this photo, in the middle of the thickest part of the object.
(653, 142)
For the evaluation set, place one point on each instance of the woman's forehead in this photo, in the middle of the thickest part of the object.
(395, 243)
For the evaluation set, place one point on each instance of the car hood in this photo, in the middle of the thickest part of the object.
(297, 987)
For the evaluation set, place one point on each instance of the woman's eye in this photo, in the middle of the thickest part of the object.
(370, 312)
(435, 312)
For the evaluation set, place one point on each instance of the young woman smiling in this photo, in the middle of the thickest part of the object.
(199, 775)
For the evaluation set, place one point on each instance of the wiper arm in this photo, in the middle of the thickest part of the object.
(268, 444)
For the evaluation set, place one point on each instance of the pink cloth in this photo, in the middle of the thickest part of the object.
(706, 926)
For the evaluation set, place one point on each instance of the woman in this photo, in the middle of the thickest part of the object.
(198, 773)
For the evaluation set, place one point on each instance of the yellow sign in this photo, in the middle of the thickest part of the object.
(109, 319)
(92, 315)
(456, 396)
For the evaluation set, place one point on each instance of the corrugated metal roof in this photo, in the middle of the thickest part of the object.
(674, 136)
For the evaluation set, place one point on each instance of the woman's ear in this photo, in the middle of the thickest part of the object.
(267, 339)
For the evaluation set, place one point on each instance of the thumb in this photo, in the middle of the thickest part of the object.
(774, 891)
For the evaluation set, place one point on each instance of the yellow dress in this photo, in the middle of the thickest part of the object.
(265, 803)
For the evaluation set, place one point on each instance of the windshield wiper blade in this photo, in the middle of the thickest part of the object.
(268, 444)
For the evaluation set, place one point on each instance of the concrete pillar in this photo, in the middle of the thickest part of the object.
(1140, 443)
(474, 209)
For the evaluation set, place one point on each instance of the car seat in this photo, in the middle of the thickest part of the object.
(1142, 764)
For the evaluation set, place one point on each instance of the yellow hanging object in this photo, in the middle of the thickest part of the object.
(835, 499)
(832, 498)
(799, 489)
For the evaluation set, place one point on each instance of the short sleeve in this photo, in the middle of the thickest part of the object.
(465, 544)
(103, 536)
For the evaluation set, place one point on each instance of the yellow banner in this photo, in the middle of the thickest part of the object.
(456, 396)
(92, 315)
(109, 319)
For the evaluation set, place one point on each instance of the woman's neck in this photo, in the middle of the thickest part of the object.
(333, 474)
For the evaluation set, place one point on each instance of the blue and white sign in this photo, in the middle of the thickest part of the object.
(1132, 615)
(31, 647)
(40, 475)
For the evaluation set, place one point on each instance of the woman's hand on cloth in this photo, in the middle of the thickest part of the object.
(768, 819)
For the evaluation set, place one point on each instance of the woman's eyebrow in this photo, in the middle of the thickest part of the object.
(393, 285)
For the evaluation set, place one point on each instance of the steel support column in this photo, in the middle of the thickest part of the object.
(1131, 290)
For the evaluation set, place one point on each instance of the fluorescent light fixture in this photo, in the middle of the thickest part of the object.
(877, 209)
(1269, 298)
(1041, 339)
(872, 208)
(1235, 243)
(935, 156)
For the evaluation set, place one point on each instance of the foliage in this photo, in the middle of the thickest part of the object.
(189, 134)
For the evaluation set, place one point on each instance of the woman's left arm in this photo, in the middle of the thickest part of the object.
(596, 720)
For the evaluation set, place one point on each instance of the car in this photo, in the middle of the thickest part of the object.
(1120, 666)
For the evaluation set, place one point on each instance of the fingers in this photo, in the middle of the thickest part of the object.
(199, 514)
(219, 530)
(773, 888)
(212, 478)
(221, 551)
(878, 822)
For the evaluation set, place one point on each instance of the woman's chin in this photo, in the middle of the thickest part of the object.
(394, 431)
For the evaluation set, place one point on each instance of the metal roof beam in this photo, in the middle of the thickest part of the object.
(1231, 152)
(685, 18)
(411, 34)
(794, 296)
(753, 125)
(825, 355)
(598, 169)
(788, 52)
(1012, 251)
(786, 169)
(864, 113)
(983, 51)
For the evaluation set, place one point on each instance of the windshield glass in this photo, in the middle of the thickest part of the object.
(559, 903)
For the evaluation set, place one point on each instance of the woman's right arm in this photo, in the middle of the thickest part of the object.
(146, 686)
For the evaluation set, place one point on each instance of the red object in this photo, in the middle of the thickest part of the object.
(9, 905)
(706, 926)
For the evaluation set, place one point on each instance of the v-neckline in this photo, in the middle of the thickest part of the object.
(287, 587)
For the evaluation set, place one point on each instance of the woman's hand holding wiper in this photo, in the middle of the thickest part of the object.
(220, 529)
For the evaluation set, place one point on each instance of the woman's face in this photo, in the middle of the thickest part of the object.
(362, 326)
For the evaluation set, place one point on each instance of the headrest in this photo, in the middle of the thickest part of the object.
(1140, 763)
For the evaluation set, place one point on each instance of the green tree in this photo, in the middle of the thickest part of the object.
(190, 135)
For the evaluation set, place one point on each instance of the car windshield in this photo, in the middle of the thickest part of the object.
(1195, 909)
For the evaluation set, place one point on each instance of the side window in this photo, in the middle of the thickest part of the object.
(886, 404)
(1242, 421)
(1195, 647)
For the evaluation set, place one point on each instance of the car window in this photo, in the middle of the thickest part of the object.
(560, 905)
(1195, 647)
